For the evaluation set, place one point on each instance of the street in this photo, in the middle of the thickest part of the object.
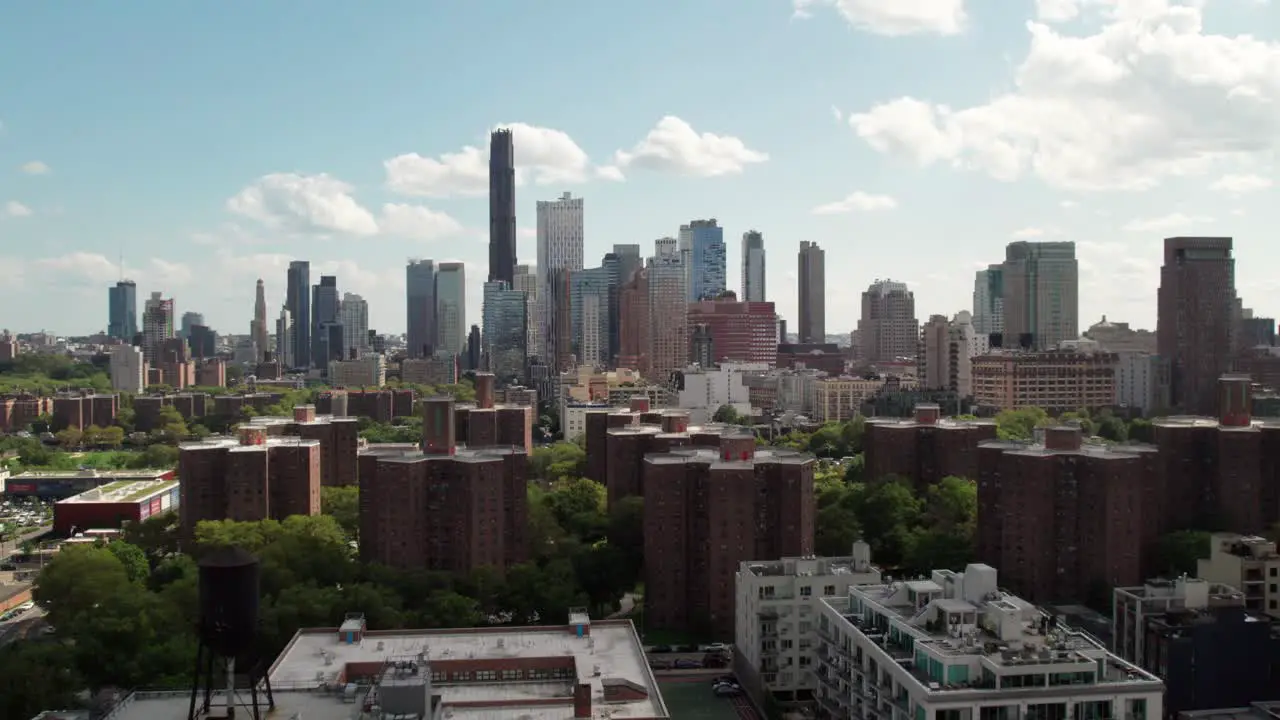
(8, 547)
(23, 626)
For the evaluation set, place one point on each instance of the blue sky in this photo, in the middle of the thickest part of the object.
(211, 143)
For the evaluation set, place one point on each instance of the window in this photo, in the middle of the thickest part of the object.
(806, 591)
(829, 590)
(511, 674)
(486, 675)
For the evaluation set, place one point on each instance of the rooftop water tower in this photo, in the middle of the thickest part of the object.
(228, 637)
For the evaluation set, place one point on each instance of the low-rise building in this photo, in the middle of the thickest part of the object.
(59, 484)
(956, 646)
(1247, 562)
(703, 391)
(777, 606)
(366, 372)
(1056, 380)
(111, 506)
(584, 669)
(1198, 636)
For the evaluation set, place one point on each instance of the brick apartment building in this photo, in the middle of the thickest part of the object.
(441, 507)
(1064, 520)
(80, 411)
(484, 424)
(19, 411)
(377, 405)
(339, 440)
(1057, 380)
(248, 478)
(826, 357)
(740, 331)
(706, 511)
(925, 448)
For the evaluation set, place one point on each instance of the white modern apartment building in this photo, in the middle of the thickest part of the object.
(1136, 379)
(128, 369)
(705, 390)
(775, 637)
(560, 238)
(1247, 562)
(956, 647)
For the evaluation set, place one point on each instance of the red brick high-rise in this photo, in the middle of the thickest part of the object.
(253, 477)
(485, 424)
(925, 448)
(740, 331)
(1198, 318)
(633, 323)
(442, 507)
(708, 510)
(1064, 520)
(80, 411)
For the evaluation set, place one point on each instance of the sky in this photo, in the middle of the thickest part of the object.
(208, 144)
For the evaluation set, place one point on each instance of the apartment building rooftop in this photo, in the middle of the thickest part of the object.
(965, 616)
(682, 455)
(857, 563)
(123, 491)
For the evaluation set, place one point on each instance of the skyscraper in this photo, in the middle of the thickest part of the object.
(258, 328)
(1041, 294)
(889, 329)
(813, 293)
(420, 291)
(451, 308)
(326, 341)
(285, 347)
(502, 206)
(122, 311)
(189, 320)
(668, 310)
(354, 316)
(753, 289)
(157, 326)
(589, 308)
(707, 268)
(1198, 318)
(298, 303)
(560, 231)
(527, 283)
(504, 331)
(988, 300)
(621, 265)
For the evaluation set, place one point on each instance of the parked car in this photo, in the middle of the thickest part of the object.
(683, 664)
(660, 664)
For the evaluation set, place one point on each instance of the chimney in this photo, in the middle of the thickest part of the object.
(639, 404)
(484, 390)
(737, 447)
(250, 435)
(304, 413)
(438, 429)
(1235, 400)
(928, 414)
(675, 422)
(1063, 438)
(582, 700)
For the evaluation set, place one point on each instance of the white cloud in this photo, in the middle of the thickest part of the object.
(1166, 223)
(304, 203)
(837, 113)
(35, 167)
(1146, 96)
(1240, 184)
(1069, 204)
(13, 208)
(1027, 233)
(673, 145)
(544, 156)
(526, 233)
(417, 222)
(857, 202)
(91, 272)
(899, 17)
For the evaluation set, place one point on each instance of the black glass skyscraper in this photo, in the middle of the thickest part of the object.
(122, 311)
(324, 315)
(298, 302)
(502, 207)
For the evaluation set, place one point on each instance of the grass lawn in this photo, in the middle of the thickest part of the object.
(695, 701)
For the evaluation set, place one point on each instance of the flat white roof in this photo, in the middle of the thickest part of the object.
(612, 651)
(122, 491)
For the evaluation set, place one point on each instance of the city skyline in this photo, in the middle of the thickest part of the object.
(973, 178)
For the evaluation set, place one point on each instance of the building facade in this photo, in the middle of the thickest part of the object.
(298, 303)
(504, 332)
(1056, 380)
(739, 331)
(1041, 286)
(122, 311)
(560, 247)
(420, 294)
(988, 301)
(502, 206)
(888, 328)
(812, 278)
(753, 267)
(956, 645)
(157, 326)
(1198, 318)
(668, 311)
(702, 241)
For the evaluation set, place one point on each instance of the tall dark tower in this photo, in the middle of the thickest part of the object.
(1199, 315)
(502, 207)
(229, 670)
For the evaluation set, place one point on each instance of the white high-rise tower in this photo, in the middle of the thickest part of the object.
(560, 237)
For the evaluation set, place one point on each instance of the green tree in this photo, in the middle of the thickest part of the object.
(726, 414)
(343, 505)
(945, 538)
(1141, 430)
(1113, 428)
(70, 437)
(578, 506)
(836, 523)
(558, 461)
(132, 559)
(1021, 424)
(37, 676)
(888, 512)
(1176, 553)
(171, 427)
